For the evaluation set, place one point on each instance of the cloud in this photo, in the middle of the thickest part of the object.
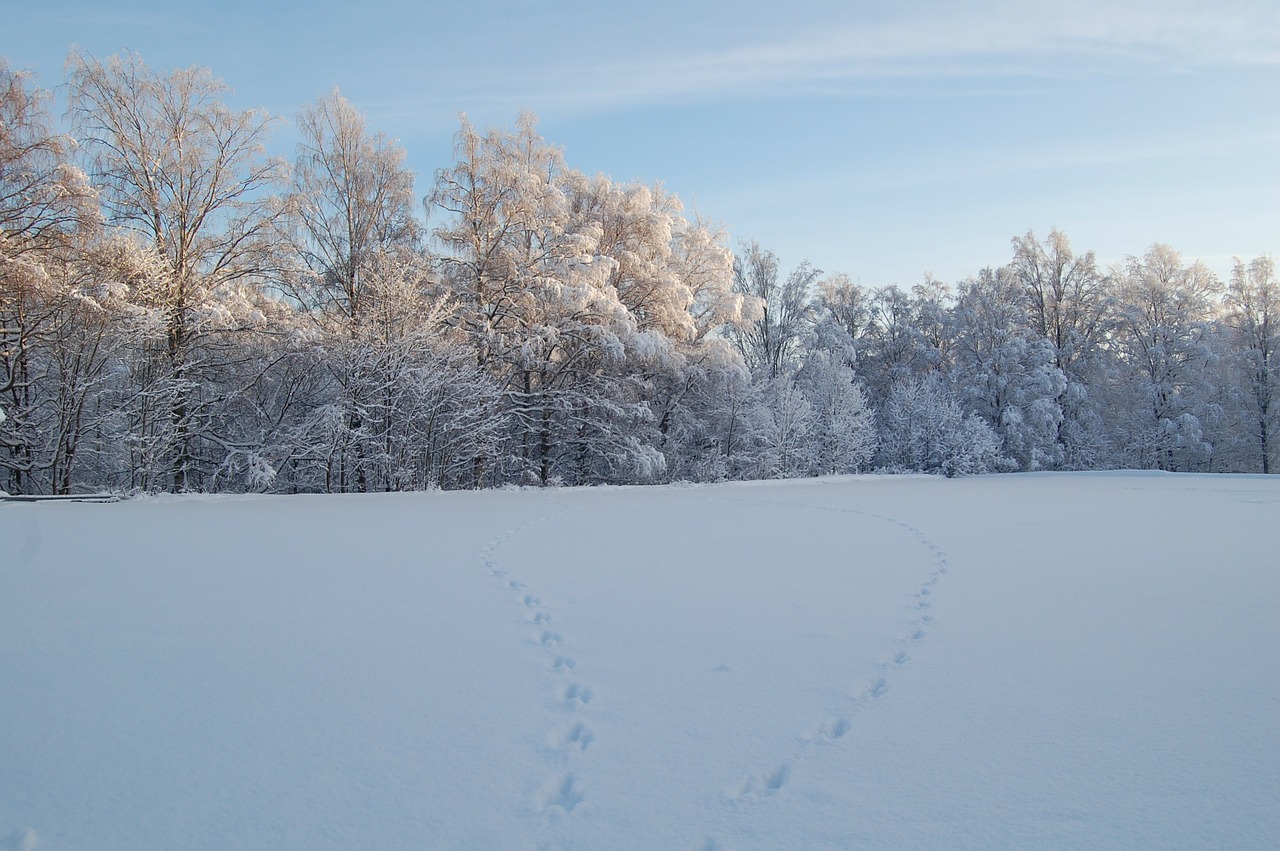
(924, 46)
(1052, 39)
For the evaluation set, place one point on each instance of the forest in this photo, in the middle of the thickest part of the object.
(181, 311)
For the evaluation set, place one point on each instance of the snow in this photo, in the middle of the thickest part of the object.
(1029, 661)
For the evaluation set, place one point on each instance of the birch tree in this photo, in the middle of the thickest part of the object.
(1166, 308)
(1067, 298)
(583, 298)
(1253, 316)
(924, 429)
(354, 235)
(46, 214)
(894, 347)
(843, 432)
(770, 344)
(1070, 304)
(1004, 371)
(187, 177)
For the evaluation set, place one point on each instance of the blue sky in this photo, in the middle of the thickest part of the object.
(882, 140)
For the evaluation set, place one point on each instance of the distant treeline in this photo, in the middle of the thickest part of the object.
(180, 312)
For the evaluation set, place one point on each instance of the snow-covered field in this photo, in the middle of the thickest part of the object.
(1031, 661)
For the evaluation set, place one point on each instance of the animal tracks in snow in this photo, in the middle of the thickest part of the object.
(563, 663)
(761, 785)
(561, 791)
(575, 735)
(829, 731)
(758, 786)
(569, 743)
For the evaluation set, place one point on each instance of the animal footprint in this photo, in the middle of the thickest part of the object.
(762, 784)
(878, 688)
(560, 791)
(577, 735)
(549, 637)
(574, 693)
(564, 663)
(829, 731)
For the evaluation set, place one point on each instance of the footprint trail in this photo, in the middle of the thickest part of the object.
(830, 730)
(568, 736)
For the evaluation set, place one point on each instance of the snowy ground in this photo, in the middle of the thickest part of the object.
(1032, 661)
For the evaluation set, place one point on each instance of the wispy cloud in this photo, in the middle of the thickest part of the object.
(1054, 39)
(923, 46)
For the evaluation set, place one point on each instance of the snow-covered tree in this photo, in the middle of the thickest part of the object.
(770, 344)
(167, 323)
(790, 449)
(187, 177)
(46, 214)
(352, 201)
(846, 306)
(1253, 317)
(1166, 308)
(842, 431)
(894, 346)
(1066, 296)
(44, 197)
(1069, 303)
(1004, 372)
(674, 277)
(924, 429)
(355, 236)
(584, 299)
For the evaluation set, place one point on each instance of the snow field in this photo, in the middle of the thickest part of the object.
(1031, 661)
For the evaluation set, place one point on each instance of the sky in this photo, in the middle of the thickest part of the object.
(879, 140)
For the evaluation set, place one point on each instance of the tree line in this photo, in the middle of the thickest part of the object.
(179, 311)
